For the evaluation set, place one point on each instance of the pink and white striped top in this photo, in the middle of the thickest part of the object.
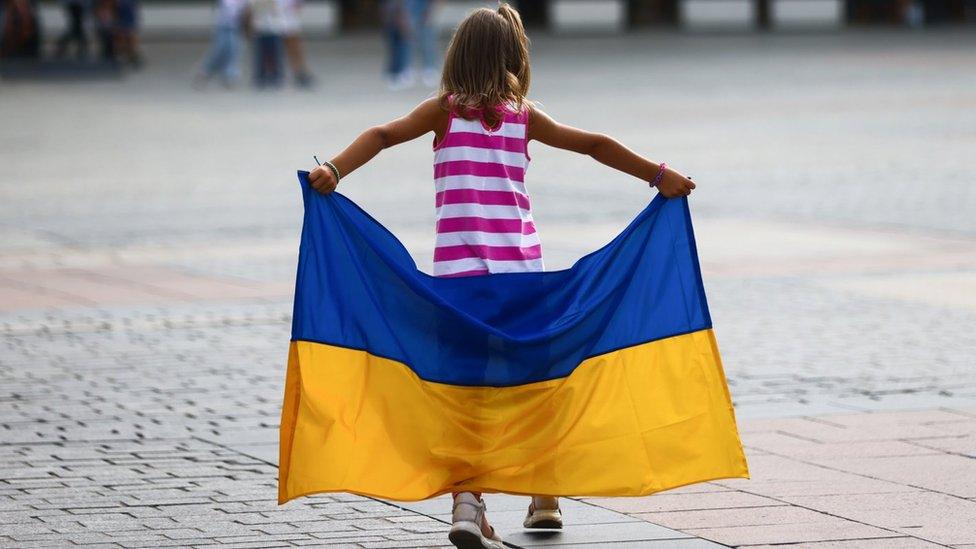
(484, 222)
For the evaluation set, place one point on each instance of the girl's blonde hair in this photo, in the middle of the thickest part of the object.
(487, 65)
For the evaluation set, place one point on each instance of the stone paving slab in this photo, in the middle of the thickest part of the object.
(935, 517)
(799, 533)
(881, 543)
(883, 486)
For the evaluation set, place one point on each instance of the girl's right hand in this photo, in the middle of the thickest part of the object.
(322, 179)
(674, 184)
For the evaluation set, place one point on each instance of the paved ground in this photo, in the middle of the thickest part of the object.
(148, 236)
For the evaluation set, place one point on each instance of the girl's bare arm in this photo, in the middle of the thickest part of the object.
(606, 150)
(427, 117)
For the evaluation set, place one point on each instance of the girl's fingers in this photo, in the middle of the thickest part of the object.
(323, 185)
(321, 180)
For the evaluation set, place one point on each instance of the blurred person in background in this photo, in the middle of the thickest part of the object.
(74, 12)
(895, 12)
(422, 39)
(126, 32)
(104, 12)
(292, 29)
(20, 30)
(225, 47)
(408, 26)
(395, 22)
(265, 22)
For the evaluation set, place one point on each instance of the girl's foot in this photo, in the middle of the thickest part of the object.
(471, 529)
(544, 513)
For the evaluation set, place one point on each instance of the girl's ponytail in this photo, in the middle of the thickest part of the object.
(517, 58)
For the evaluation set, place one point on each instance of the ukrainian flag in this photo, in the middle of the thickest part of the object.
(602, 379)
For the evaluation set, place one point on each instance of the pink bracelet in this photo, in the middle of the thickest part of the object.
(660, 174)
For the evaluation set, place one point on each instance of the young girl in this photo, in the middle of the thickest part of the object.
(482, 123)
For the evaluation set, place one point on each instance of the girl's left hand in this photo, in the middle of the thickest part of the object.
(673, 184)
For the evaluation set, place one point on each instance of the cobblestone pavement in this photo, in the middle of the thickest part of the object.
(147, 246)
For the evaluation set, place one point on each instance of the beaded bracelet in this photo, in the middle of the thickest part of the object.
(335, 171)
(660, 174)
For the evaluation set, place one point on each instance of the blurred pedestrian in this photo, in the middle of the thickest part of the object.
(292, 30)
(127, 32)
(74, 11)
(409, 29)
(265, 21)
(20, 30)
(225, 46)
(422, 39)
(105, 16)
(396, 28)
